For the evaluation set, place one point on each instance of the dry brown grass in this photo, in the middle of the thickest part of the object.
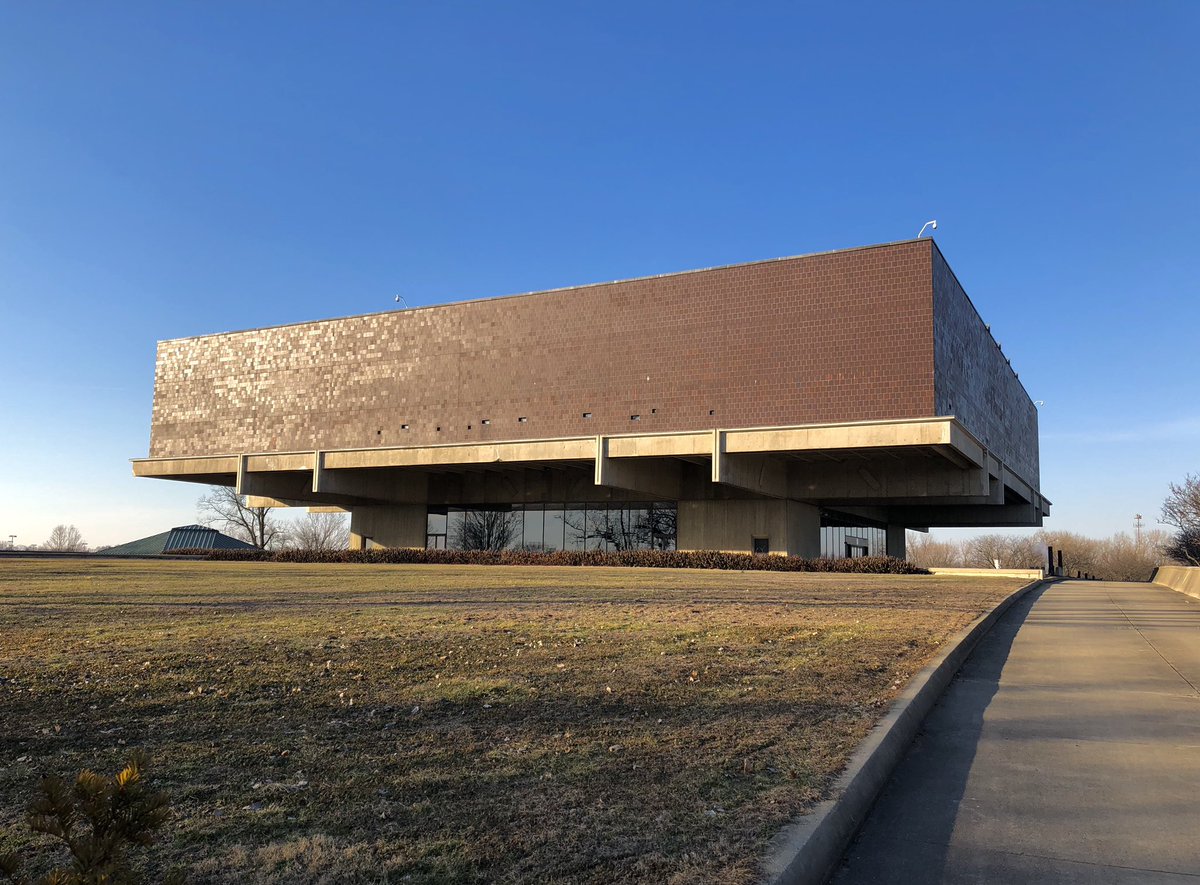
(467, 724)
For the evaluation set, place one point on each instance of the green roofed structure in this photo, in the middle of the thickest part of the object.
(184, 537)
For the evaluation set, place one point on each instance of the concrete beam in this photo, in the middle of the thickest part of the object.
(273, 503)
(182, 468)
(570, 449)
(659, 479)
(921, 432)
(368, 485)
(1004, 516)
(910, 478)
(295, 487)
(661, 445)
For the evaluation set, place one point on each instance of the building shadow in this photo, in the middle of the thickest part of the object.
(906, 837)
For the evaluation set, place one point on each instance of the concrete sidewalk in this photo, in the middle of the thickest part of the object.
(1067, 749)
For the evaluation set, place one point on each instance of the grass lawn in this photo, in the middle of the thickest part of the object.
(327, 723)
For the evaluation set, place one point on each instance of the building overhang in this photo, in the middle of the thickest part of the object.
(933, 471)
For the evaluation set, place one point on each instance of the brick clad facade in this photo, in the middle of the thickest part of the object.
(843, 336)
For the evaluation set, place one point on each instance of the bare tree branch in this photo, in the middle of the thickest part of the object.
(65, 538)
(223, 507)
(321, 531)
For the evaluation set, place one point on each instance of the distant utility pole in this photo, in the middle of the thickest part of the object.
(12, 541)
(1137, 528)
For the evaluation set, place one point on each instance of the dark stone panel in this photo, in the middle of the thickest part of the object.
(974, 381)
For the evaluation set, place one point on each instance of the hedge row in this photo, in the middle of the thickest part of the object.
(710, 559)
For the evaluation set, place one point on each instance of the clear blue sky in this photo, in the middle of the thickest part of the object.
(169, 169)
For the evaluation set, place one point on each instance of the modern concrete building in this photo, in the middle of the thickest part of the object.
(821, 403)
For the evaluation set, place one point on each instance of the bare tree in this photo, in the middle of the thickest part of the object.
(1079, 552)
(1182, 506)
(66, 539)
(1011, 551)
(1181, 509)
(1122, 558)
(486, 530)
(924, 550)
(322, 531)
(1184, 547)
(225, 508)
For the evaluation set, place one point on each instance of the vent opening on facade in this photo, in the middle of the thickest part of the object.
(379, 433)
(404, 427)
(587, 414)
(439, 429)
(712, 411)
(486, 421)
(635, 417)
(522, 420)
(654, 411)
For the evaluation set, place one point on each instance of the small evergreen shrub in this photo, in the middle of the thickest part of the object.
(706, 559)
(97, 819)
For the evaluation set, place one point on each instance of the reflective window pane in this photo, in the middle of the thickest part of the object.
(553, 537)
(516, 540)
(454, 529)
(549, 527)
(662, 526)
(435, 524)
(599, 527)
(575, 527)
(534, 526)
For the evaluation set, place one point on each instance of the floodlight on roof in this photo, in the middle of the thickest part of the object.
(932, 225)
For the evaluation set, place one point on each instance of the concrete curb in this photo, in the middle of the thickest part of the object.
(808, 849)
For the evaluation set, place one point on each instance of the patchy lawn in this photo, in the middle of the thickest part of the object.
(323, 723)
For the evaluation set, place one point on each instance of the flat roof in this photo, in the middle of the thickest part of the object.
(677, 273)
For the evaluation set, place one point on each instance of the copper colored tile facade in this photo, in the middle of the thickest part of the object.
(827, 338)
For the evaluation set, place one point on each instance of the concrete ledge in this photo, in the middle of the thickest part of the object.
(1033, 574)
(1183, 578)
(807, 850)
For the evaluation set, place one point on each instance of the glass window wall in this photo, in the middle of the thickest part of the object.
(550, 527)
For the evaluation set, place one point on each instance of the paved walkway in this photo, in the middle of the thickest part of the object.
(1067, 750)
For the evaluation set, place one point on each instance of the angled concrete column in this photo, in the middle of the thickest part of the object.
(387, 525)
(787, 527)
(758, 473)
(896, 542)
(655, 478)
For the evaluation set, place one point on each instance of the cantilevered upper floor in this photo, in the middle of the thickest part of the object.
(861, 378)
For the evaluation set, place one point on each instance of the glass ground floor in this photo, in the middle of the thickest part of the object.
(615, 526)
